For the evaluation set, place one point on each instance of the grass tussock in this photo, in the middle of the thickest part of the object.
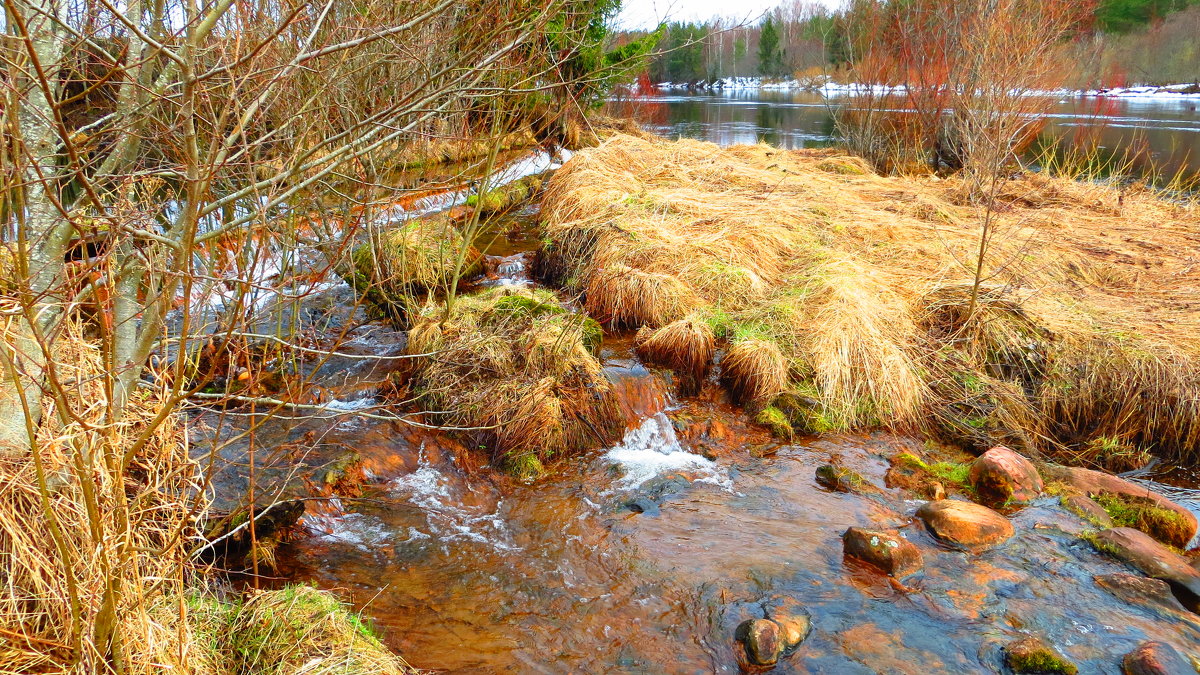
(518, 370)
(850, 292)
(685, 346)
(421, 256)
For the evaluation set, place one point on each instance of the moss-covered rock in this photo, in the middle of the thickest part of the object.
(1031, 655)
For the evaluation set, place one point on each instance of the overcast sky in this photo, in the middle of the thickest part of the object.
(647, 13)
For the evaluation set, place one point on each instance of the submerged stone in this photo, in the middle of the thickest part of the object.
(839, 478)
(1000, 476)
(1152, 594)
(763, 640)
(886, 550)
(1156, 658)
(1031, 655)
(1152, 559)
(794, 622)
(965, 524)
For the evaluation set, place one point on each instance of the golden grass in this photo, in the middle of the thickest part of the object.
(421, 256)
(1086, 326)
(96, 553)
(685, 346)
(517, 370)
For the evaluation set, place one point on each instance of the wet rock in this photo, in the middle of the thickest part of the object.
(839, 479)
(1152, 594)
(763, 640)
(1156, 658)
(886, 550)
(1094, 483)
(643, 505)
(1087, 508)
(794, 622)
(1031, 655)
(1000, 475)
(965, 524)
(1152, 559)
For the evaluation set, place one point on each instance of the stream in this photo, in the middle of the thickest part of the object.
(644, 557)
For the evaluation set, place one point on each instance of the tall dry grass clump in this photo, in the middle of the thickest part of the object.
(517, 370)
(685, 346)
(95, 526)
(1082, 332)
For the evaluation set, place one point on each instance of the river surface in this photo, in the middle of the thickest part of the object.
(644, 557)
(1159, 133)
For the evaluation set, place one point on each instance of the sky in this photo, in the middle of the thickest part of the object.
(648, 13)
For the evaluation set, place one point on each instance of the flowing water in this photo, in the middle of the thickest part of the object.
(644, 557)
(1159, 133)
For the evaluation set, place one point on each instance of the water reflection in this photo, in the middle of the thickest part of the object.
(1164, 133)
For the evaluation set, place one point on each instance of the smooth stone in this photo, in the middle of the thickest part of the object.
(1156, 658)
(965, 524)
(1000, 475)
(1154, 560)
(1151, 594)
(794, 622)
(884, 549)
(763, 640)
(1085, 507)
(839, 479)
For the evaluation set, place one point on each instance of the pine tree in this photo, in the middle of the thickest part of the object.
(770, 62)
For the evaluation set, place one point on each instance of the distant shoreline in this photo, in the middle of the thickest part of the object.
(1171, 92)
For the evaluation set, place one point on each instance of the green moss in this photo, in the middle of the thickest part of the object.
(951, 474)
(840, 478)
(1040, 659)
(533, 306)
(840, 167)
(592, 333)
(1064, 501)
(1101, 545)
(525, 467)
(1143, 514)
(774, 419)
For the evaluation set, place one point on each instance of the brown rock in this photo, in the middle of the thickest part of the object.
(886, 550)
(1000, 476)
(1154, 560)
(1087, 508)
(965, 524)
(1156, 658)
(794, 623)
(1092, 482)
(763, 640)
(1152, 594)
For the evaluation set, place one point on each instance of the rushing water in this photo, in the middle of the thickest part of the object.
(1165, 133)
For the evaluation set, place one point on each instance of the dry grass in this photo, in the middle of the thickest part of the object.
(1088, 326)
(95, 553)
(685, 346)
(401, 263)
(115, 546)
(516, 368)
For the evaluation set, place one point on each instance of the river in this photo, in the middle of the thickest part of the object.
(644, 557)
(1159, 133)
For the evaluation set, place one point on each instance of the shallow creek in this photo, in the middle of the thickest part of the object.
(644, 557)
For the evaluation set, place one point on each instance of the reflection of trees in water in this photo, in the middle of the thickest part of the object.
(1160, 136)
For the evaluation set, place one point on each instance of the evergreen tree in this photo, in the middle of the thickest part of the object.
(770, 60)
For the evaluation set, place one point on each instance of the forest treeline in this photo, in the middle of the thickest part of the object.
(1121, 42)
